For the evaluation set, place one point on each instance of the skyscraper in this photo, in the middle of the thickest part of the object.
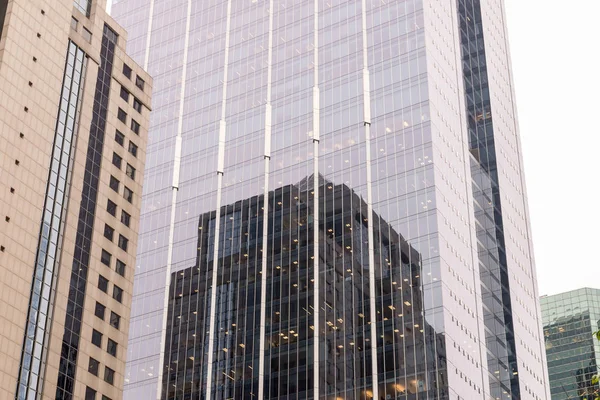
(74, 112)
(572, 351)
(308, 162)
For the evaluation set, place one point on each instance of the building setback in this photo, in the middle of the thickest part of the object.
(572, 351)
(74, 112)
(309, 161)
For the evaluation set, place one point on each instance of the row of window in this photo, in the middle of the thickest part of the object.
(117, 161)
(115, 319)
(90, 394)
(115, 184)
(120, 139)
(127, 72)
(117, 291)
(122, 116)
(106, 258)
(111, 345)
(137, 105)
(111, 207)
(109, 233)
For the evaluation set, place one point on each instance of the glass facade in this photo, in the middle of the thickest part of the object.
(313, 223)
(572, 351)
(43, 286)
(85, 224)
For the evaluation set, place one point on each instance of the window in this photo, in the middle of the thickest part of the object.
(114, 184)
(128, 194)
(74, 23)
(135, 127)
(106, 397)
(97, 338)
(117, 160)
(109, 375)
(105, 258)
(111, 208)
(137, 105)
(133, 148)
(119, 137)
(125, 218)
(139, 82)
(93, 366)
(122, 115)
(90, 394)
(111, 347)
(115, 320)
(130, 171)
(127, 71)
(124, 94)
(117, 293)
(102, 283)
(109, 232)
(99, 312)
(123, 242)
(87, 35)
(120, 267)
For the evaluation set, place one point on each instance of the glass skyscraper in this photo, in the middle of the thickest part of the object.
(572, 351)
(334, 204)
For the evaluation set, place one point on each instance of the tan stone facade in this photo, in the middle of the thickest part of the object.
(35, 39)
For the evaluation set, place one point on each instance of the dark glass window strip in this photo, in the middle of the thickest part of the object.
(83, 241)
(48, 250)
(486, 191)
(3, 7)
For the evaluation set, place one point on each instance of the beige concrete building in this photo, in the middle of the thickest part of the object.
(74, 112)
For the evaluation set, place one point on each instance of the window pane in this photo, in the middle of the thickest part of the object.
(116, 160)
(139, 82)
(108, 232)
(105, 257)
(114, 184)
(123, 242)
(128, 194)
(124, 94)
(96, 338)
(102, 283)
(111, 347)
(115, 320)
(111, 208)
(119, 137)
(125, 218)
(127, 71)
(99, 312)
(109, 375)
(93, 366)
(120, 268)
(135, 126)
(117, 293)
(133, 148)
(137, 105)
(130, 171)
(90, 394)
(122, 115)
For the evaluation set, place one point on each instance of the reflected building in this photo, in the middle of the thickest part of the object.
(396, 118)
(572, 350)
(410, 353)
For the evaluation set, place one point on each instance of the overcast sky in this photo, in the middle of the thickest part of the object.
(555, 48)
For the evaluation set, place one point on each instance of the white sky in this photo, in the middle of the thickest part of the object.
(555, 47)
